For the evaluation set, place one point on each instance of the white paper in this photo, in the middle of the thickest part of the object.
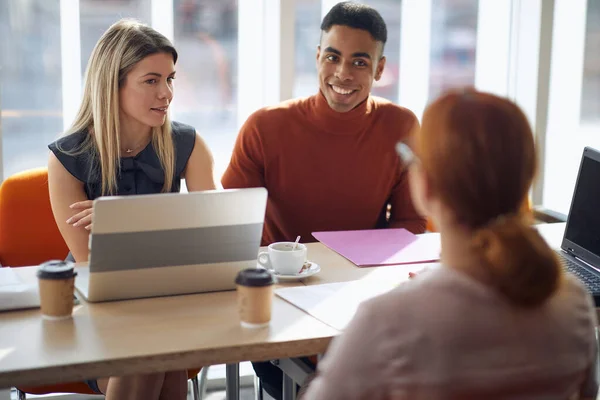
(8, 277)
(14, 294)
(334, 303)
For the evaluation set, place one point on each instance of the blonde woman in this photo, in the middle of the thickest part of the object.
(122, 142)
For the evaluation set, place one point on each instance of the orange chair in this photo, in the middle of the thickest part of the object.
(28, 232)
(83, 388)
(29, 236)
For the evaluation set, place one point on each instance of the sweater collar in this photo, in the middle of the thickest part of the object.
(346, 123)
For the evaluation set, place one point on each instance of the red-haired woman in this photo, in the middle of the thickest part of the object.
(499, 319)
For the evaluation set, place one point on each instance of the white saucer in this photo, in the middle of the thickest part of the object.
(310, 271)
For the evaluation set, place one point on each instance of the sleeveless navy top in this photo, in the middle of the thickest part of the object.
(141, 174)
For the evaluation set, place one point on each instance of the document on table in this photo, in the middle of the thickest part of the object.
(334, 303)
(376, 247)
(15, 294)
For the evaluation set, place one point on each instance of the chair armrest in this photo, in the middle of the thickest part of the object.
(548, 216)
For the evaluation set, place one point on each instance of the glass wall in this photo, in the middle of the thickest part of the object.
(574, 101)
(453, 42)
(206, 89)
(206, 37)
(205, 34)
(453, 45)
(97, 15)
(30, 81)
(590, 91)
(307, 34)
(391, 10)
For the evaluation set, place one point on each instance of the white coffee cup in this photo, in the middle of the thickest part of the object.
(283, 258)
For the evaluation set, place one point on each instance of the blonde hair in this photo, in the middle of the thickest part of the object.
(119, 49)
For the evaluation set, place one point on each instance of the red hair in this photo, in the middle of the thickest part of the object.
(477, 151)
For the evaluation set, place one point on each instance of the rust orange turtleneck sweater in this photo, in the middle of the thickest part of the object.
(326, 170)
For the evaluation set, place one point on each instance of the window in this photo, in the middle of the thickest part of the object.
(30, 81)
(206, 38)
(590, 93)
(40, 82)
(387, 86)
(452, 48)
(97, 15)
(32, 97)
(453, 43)
(205, 32)
(574, 101)
(308, 33)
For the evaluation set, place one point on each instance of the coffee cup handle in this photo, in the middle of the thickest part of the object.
(265, 260)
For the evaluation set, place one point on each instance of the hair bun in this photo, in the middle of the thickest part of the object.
(518, 260)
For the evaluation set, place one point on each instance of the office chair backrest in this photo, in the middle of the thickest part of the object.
(28, 231)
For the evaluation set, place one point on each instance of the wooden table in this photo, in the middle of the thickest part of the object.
(147, 335)
(335, 268)
(169, 333)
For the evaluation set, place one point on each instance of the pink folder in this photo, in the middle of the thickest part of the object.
(367, 248)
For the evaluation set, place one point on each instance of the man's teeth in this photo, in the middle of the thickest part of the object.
(339, 90)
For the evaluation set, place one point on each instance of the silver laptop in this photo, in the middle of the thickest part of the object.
(168, 244)
(580, 248)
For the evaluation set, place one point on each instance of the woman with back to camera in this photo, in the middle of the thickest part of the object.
(123, 143)
(498, 319)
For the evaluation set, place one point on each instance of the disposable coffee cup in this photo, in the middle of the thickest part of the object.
(255, 297)
(56, 281)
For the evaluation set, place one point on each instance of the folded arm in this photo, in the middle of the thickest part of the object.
(199, 170)
(66, 190)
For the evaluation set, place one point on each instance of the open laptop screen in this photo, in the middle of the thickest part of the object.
(583, 226)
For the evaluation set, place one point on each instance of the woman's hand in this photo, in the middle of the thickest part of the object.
(84, 216)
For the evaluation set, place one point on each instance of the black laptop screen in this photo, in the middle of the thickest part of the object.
(583, 228)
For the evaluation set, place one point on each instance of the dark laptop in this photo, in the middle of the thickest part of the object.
(580, 248)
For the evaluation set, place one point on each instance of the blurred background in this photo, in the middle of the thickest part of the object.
(40, 82)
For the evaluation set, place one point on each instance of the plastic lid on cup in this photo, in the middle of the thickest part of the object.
(255, 277)
(56, 269)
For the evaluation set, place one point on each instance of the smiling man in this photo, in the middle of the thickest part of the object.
(328, 161)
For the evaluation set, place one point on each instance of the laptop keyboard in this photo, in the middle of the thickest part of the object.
(590, 280)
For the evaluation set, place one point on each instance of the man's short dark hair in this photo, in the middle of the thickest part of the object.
(357, 16)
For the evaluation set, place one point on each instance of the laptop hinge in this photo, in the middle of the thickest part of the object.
(587, 263)
(570, 252)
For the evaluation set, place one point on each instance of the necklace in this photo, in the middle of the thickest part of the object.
(131, 150)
